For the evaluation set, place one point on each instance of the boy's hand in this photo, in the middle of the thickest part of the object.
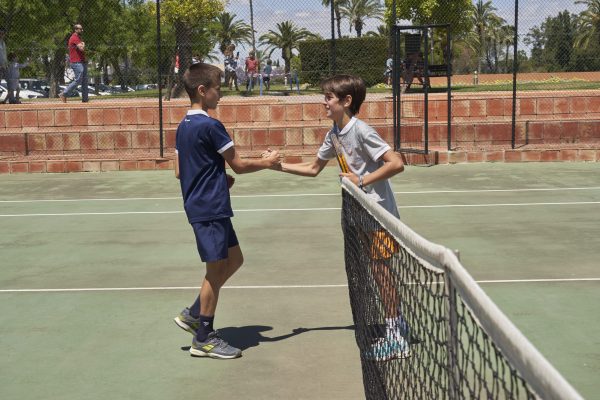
(352, 177)
(272, 156)
(230, 181)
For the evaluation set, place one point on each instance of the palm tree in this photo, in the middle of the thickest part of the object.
(227, 31)
(358, 10)
(382, 31)
(588, 23)
(286, 39)
(507, 38)
(336, 10)
(482, 19)
(252, 26)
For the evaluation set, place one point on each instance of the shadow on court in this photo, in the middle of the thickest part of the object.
(245, 337)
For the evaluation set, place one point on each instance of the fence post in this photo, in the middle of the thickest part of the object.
(158, 56)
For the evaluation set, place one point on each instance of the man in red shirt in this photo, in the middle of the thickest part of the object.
(78, 62)
(251, 70)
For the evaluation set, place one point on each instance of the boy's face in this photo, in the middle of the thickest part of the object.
(335, 107)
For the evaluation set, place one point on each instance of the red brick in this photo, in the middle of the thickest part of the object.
(105, 140)
(376, 109)
(146, 165)
(277, 113)
(579, 105)
(242, 138)
(260, 139)
(552, 132)
(56, 166)
(54, 141)
(2, 119)
(145, 116)
(493, 156)
(74, 166)
(568, 155)
(16, 167)
(88, 141)
(111, 116)
(532, 155)
(478, 108)
(12, 142)
(128, 116)
(587, 155)
(91, 166)
(513, 155)
(71, 141)
(30, 118)
(139, 140)
(545, 106)
(122, 140)
(227, 113)
(177, 114)
(461, 108)
(312, 112)
(549, 155)
(95, 116)
(457, 157)
(593, 105)
(169, 139)
(79, 117)
(14, 119)
(293, 136)
(561, 105)
(495, 107)
(244, 114)
(37, 166)
(261, 113)
(587, 130)
(475, 156)
(442, 158)
(164, 164)
(526, 106)
(293, 112)
(314, 136)
(535, 130)
(109, 166)
(277, 137)
(36, 141)
(128, 165)
(4, 167)
(46, 118)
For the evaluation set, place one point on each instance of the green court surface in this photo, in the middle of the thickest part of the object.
(93, 268)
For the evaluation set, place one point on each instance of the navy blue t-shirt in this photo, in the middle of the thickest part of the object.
(200, 141)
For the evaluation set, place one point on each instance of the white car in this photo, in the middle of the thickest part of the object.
(24, 94)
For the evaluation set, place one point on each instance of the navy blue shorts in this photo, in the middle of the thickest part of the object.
(214, 238)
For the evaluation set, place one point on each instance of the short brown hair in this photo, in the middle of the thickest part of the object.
(344, 85)
(201, 74)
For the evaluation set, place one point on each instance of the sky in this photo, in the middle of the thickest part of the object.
(311, 14)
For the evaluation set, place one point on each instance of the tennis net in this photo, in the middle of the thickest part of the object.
(424, 327)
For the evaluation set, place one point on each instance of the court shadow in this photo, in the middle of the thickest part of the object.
(245, 337)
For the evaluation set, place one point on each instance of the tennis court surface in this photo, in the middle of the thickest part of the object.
(95, 266)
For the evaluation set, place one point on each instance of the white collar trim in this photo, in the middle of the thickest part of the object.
(349, 125)
(196, 112)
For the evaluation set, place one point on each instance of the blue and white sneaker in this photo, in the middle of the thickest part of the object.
(214, 347)
(388, 348)
(186, 322)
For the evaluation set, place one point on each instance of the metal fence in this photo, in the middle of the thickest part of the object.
(137, 50)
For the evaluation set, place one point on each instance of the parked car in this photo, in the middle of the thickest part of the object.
(24, 94)
(37, 85)
(146, 86)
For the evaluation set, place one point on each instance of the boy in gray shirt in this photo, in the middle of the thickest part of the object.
(371, 162)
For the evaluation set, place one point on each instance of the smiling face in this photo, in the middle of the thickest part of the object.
(335, 107)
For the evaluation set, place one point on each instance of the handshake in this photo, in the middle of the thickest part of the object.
(273, 157)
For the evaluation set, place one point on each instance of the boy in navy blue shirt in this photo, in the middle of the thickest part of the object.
(203, 146)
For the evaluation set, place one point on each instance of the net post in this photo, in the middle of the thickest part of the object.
(452, 337)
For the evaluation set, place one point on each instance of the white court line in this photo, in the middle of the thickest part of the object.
(304, 195)
(122, 289)
(302, 209)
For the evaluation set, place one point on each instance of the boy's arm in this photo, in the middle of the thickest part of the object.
(392, 165)
(310, 168)
(243, 166)
(176, 162)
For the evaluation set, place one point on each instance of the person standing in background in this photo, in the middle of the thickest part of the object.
(3, 58)
(78, 62)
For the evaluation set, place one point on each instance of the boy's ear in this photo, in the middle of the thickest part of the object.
(347, 100)
(202, 90)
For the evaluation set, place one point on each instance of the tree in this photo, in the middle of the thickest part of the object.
(588, 24)
(483, 18)
(285, 38)
(357, 11)
(227, 31)
(336, 11)
(189, 18)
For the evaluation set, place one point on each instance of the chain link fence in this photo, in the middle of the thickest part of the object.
(137, 51)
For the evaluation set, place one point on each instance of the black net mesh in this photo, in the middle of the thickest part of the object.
(441, 351)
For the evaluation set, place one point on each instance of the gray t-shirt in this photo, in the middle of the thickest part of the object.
(363, 149)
